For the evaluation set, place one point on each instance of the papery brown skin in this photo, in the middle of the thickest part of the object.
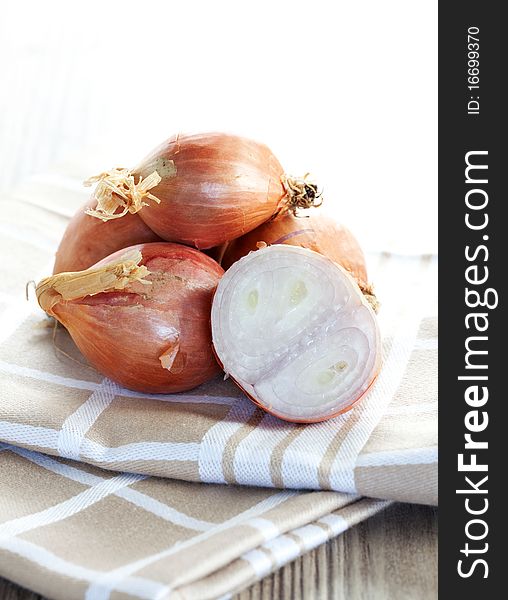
(317, 231)
(88, 240)
(123, 334)
(224, 186)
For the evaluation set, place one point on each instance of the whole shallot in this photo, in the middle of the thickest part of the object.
(202, 190)
(141, 316)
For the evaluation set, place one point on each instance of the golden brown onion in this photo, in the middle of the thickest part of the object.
(87, 240)
(317, 232)
(141, 316)
(202, 190)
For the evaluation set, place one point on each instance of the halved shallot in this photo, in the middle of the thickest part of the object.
(295, 332)
(202, 190)
(141, 316)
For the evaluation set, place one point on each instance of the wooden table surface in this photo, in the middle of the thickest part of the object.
(392, 556)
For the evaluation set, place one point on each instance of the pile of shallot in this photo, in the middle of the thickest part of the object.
(139, 281)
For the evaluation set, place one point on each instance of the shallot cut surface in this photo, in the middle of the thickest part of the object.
(295, 332)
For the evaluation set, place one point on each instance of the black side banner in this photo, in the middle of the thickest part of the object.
(473, 248)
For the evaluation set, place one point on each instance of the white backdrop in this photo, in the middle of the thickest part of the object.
(346, 90)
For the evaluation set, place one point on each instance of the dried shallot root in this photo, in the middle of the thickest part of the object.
(202, 190)
(87, 240)
(295, 332)
(141, 316)
(318, 232)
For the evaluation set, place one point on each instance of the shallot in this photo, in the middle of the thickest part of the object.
(87, 240)
(294, 331)
(141, 316)
(202, 190)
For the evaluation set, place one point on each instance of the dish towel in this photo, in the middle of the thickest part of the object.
(109, 493)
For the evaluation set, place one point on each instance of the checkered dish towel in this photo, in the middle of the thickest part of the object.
(102, 489)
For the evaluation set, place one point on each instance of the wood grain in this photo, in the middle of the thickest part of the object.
(392, 556)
